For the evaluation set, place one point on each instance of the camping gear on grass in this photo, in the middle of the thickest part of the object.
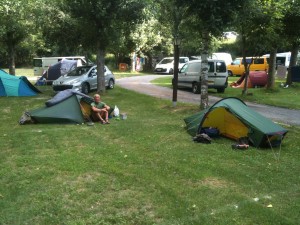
(16, 86)
(202, 138)
(234, 119)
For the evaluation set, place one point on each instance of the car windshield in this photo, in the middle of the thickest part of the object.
(166, 61)
(182, 60)
(79, 71)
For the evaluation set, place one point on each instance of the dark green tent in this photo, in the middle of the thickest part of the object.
(65, 107)
(234, 119)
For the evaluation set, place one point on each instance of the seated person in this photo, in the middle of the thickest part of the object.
(99, 110)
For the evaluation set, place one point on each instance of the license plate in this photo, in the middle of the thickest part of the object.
(210, 82)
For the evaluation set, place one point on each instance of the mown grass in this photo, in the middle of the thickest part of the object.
(279, 96)
(143, 170)
(28, 72)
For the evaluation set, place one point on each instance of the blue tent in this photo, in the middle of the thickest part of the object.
(16, 86)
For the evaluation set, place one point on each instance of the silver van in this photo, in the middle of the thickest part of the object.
(189, 75)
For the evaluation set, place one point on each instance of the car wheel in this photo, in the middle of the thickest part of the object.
(221, 90)
(111, 84)
(85, 88)
(230, 73)
(171, 71)
(196, 88)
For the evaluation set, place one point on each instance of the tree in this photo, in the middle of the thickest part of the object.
(14, 26)
(292, 32)
(211, 18)
(100, 22)
(251, 23)
(58, 33)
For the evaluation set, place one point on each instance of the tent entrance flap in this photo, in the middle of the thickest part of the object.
(228, 124)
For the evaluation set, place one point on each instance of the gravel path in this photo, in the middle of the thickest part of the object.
(142, 84)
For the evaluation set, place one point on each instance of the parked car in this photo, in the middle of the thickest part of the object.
(83, 79)
(166, 65)
(257, 64)
(189, 75)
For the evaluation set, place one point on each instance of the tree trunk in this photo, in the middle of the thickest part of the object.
(293, 61)
(133, 62)
(245, 89)
(272, 66)
(12, 66)
(149, 63)
(175, 80)
(204, 71)
(100, 70)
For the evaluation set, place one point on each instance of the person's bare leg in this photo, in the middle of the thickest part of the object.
(98, 115)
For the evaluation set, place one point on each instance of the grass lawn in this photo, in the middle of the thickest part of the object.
(143, 170)
(28, 72)
(282, 97)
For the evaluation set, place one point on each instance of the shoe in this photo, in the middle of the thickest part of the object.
(107, 122)
(103, 122)
(241, 147)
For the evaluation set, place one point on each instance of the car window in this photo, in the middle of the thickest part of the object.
(184, 68)
(166, 61)
(249, 61)
(194, 67)
(93, 72)
(220, 67)
(79, 71)
(183, 60)
(236, 62)
(259, 61)
(211, 67)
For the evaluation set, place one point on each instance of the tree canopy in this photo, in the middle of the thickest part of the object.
(147, 28)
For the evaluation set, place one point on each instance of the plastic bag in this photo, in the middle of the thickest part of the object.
(116, 111)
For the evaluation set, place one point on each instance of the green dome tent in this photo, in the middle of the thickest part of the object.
(67, 106)
(16, 86)
(234, 119)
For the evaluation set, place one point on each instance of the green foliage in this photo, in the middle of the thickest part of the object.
(290, 21)
(100, 22)
(212, 15)
(14, 26)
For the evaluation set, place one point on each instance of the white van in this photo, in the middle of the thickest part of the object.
(189, 75)
(222, 56)
(166, 65)
(42, 64)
